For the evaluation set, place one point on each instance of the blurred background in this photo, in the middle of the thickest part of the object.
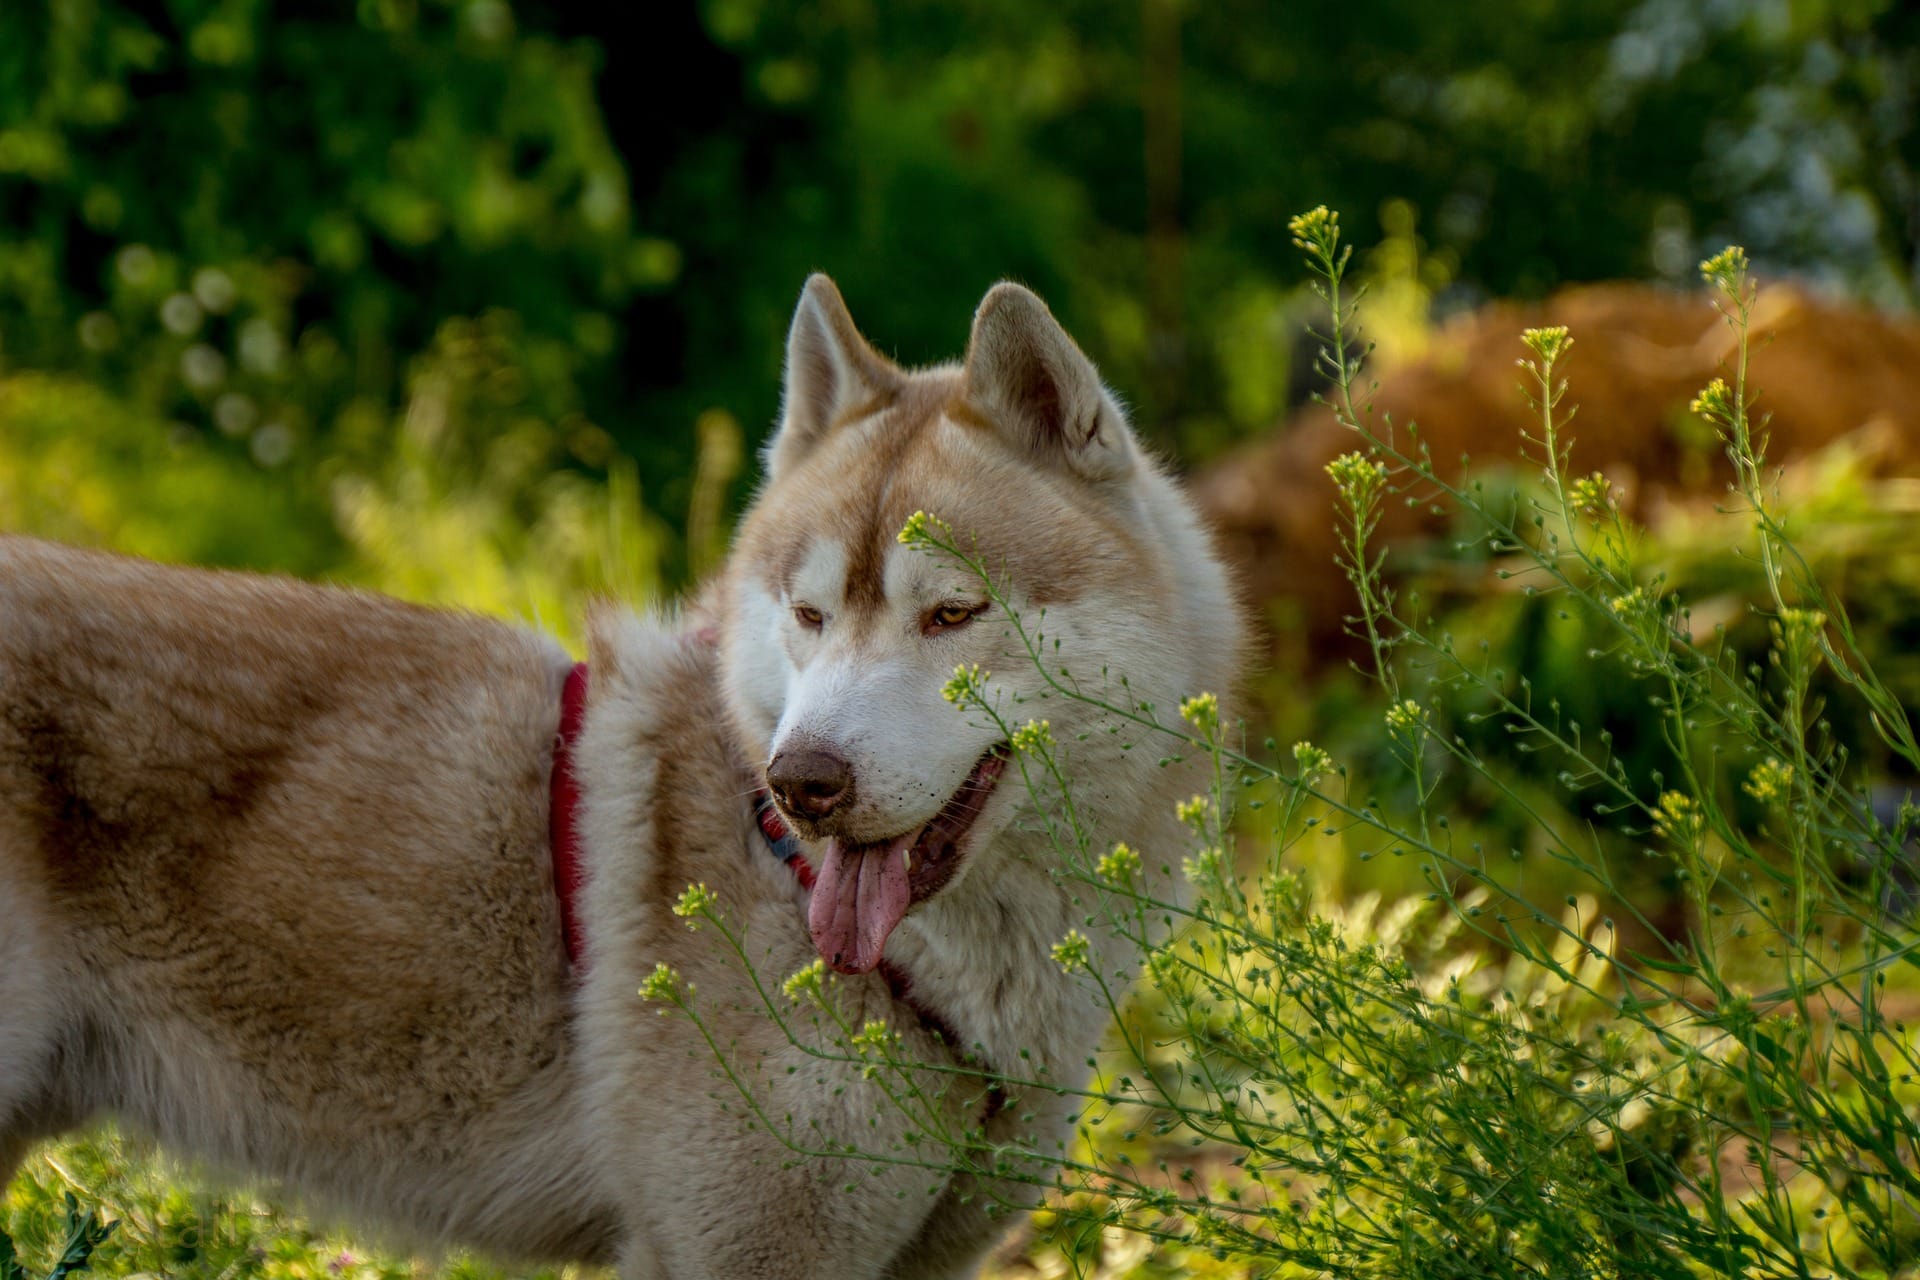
(390, 291)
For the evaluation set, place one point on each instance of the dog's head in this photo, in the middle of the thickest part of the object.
(839, 639)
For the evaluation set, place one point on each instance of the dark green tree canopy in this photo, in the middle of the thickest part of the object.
(246, 215)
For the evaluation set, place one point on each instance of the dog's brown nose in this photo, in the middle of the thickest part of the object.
(810, 781)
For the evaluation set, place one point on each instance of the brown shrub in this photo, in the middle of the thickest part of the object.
(1823, 371)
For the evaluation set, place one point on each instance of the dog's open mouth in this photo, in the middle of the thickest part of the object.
(862, 891)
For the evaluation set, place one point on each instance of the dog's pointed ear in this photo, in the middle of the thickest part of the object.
(1035, 384)
(830, 369)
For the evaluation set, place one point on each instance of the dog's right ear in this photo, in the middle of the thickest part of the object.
(830, 370)
(1040, 389)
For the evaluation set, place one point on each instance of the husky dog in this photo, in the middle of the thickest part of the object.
(275, 877)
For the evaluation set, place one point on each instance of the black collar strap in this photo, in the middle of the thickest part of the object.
(784, 844)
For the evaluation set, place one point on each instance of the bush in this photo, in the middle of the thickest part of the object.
(464, 496)
(81, 1233)
(164, 1224)
(1481, 1079)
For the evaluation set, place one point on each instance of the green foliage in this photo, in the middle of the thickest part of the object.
(1132, 160)
(472, 505)
(251, 219)
(1478, 1079)
(83, 1234)
(78, 464)
(166, 1224)
(246, 217)
(461, 497)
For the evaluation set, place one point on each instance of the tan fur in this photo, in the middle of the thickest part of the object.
(276, 884)
(291, 845)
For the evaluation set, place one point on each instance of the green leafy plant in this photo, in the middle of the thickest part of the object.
(1479, 1079)
(82, 1234)
(167, 1221)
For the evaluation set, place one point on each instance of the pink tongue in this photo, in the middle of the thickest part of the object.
(859, 895)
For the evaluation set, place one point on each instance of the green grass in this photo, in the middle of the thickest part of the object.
(81, 1233)
(169, 1220)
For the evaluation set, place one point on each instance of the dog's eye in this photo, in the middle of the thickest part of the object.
(808, 616)
(948, 616)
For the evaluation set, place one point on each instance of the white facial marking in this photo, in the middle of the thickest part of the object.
(758, 668)
(821, 579)
(870, 688)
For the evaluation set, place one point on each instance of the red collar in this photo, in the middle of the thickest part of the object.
(562, 839)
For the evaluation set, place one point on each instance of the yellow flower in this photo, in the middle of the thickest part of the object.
(1549, 343)
(1770, 782)
(1798, 633)
(1591, 494)
(1803, 621)
(1072, 952)
(1119, 865)
(1406, 717)
(1205, 867)
(875, 1035)
(1316, 231)
(1715, 402)
(662, 984)
(805, 982)
(915, 529)
(1678, 818)
(1631, 605)
(1192, 811)
(1726, 270)
(966, 684)
(695, 901)
(1358, 479)
(1202, 711)
(1033, 737)
(1311, 761)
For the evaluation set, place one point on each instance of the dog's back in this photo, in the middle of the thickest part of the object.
(275, 862)
(234, 813)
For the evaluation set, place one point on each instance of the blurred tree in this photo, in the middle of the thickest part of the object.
(248, 214)
(252, 218)
(1105, 150)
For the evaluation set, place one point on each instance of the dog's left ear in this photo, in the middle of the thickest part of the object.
(830, 369)
(1033, 382)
